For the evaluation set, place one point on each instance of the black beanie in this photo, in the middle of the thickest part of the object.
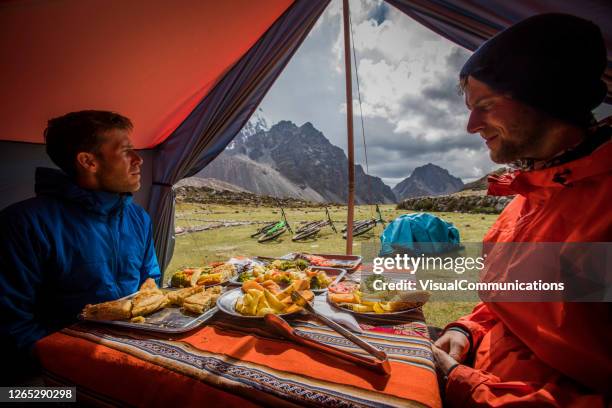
(552, 62)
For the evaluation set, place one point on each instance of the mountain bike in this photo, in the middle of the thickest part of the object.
(361, 227)
(356, 224)
(314, 228)
(277, 229)
(306, 226)
(263, 229)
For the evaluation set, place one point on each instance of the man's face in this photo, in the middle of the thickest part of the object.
(119, 164)
(511, 129)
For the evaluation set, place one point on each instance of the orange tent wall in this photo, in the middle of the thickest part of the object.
(152, 61)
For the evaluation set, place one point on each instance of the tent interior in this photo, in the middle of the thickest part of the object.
(189, 74)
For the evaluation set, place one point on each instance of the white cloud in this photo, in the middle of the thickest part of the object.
(408, 75)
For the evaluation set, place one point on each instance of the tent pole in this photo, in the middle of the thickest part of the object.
(349, 127)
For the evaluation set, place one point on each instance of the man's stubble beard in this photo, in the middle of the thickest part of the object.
(116, 183)
(527, 132)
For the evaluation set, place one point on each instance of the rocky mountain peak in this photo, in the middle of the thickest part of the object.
(305, 158)
(427, 180)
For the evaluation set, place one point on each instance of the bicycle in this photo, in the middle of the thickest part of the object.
(314, 228)
(361, 227)
(277, 229)
(263, 229)
(308, 225)
(305, 226)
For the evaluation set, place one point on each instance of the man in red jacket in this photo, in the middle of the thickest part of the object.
(531, 90)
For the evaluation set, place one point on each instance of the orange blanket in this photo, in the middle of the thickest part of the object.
(233, 364)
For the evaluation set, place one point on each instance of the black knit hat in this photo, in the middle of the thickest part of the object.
(553, 62)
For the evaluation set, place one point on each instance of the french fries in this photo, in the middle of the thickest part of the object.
(396, 303)
(258, 300)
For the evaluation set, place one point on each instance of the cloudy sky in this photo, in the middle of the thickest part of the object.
(412, 110)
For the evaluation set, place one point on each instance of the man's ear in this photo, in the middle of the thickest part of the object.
(87, 162)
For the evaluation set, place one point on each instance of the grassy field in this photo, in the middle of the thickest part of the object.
(222, 243)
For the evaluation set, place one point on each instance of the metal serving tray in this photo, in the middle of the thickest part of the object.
(167, 320)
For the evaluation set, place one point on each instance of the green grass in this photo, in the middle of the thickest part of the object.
(223, 243)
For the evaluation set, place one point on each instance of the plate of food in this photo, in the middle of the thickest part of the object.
(254, 300)
(158, 310)
(347, 296)
(348, 262)
(284, 273)
(214, 274)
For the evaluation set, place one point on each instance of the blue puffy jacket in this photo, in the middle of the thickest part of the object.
(64, 249)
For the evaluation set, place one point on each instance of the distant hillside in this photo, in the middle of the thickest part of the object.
(428, 180)
(291, 161)
(210, 183)
(481, 183)
(208, 195)
(257, 178)
(472, 203)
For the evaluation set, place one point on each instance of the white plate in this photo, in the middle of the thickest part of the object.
(227, 304)
(371, 314)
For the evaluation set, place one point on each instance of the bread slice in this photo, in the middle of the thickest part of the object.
(113, 310)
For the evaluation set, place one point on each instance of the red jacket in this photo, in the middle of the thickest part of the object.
(544, 354)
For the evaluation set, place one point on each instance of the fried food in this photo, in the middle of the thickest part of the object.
(387, 302)
(210, 279)
(342, 298)
(187, 277)
(212, 274)
(227, 270)
(259, 301)
(149, 285)
(147, 302)
(202, 301)
(177, 297)
(113, 310)
(150, 299)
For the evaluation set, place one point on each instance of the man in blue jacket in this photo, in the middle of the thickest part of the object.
(81, 239)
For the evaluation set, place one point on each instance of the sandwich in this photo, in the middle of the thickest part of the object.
(177, 297)
(148, 299)
(202, 301)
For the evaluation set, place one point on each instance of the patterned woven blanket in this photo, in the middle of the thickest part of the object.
(231, 362)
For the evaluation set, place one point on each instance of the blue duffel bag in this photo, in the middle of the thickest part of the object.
(419, 233)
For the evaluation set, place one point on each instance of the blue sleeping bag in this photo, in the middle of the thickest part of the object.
(419, 233)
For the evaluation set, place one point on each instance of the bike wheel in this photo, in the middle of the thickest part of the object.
(305, 234)
(306, 227)
(263, 229)
(268, 237)
(362, 229)
(356, 224)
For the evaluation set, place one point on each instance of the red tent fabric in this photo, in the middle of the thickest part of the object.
(152, 61)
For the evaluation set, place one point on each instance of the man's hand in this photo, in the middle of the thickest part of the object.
(444, 362)
(454, 343)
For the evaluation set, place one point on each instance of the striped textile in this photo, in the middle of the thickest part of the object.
(233, 363)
